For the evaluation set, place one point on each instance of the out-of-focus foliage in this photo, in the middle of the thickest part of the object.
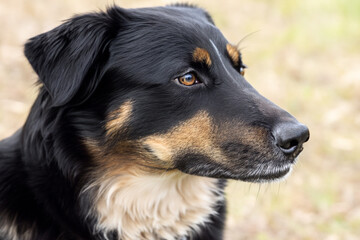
(302, 54)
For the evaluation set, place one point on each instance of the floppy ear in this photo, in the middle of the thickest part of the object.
(70, 57)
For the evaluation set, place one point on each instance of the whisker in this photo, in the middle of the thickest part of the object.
(244, 38)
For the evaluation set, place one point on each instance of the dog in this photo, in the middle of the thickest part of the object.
(141, 117)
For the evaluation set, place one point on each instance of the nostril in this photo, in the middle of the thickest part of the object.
(290, 144)
(289, 147)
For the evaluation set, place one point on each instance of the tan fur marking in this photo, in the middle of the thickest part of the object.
(115, 161)
(118, 118)
(146, 206)
(195, 135)
(233, 53)
(201, 55)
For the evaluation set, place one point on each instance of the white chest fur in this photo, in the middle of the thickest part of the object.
(155, 207)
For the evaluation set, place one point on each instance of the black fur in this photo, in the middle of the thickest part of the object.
(87, 68)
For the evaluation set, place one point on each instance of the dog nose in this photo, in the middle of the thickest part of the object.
(290, 136)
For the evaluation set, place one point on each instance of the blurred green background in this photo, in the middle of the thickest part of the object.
(304, 55)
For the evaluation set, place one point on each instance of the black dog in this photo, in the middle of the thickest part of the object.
(140, 117)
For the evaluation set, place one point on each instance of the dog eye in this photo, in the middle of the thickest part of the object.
(242, 70)
(188, 79)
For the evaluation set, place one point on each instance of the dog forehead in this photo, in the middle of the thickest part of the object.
(174, 13)
(161, 50)
(171, 23)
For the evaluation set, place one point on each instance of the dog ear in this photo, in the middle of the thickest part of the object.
(69, 58)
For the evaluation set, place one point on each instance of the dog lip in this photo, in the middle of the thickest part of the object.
(268, 177)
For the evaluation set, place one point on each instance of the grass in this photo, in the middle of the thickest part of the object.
(303, 55)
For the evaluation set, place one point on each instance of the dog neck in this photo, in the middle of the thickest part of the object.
(165, 206)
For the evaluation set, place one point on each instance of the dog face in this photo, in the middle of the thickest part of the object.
(163, 89)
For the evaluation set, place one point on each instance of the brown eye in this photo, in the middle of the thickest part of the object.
(242, 70)
(188, 79)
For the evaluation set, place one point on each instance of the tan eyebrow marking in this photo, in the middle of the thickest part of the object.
(234, 53)
(201, 55)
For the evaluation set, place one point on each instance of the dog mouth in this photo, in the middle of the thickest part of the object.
(269, 174)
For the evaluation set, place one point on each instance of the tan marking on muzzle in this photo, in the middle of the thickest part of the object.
(233, 53)
(117, 119)
(239, 132)
(202, 55)
(194, 135)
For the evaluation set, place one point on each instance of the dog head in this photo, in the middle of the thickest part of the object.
(163, 89)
